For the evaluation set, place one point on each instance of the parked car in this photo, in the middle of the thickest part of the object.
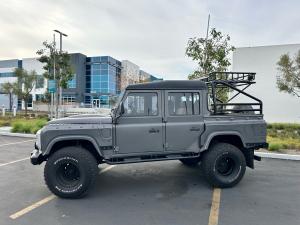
(158, 121)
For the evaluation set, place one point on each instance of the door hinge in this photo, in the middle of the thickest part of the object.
(116, 149)
(166, 145)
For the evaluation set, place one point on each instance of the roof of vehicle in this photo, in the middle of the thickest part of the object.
(170, 85)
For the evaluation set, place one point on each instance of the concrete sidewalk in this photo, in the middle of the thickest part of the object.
(6, 131)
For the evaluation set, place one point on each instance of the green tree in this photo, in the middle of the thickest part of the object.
(8, 88)
(49, 56)
(211, 55)
(288, 79)
(24, 85)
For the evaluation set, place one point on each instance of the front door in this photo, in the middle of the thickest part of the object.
(140, 129)
(183, 120)
(96, 103)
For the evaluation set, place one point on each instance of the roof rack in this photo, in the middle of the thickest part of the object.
(232, 81)
(231, 77)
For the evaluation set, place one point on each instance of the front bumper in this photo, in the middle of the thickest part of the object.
(36, 156)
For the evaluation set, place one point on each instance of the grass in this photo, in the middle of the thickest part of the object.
(28, 126)
(283, 136)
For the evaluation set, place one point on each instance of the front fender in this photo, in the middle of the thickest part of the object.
(71, 138)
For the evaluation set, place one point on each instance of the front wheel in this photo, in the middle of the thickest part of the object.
(70, 172)
(223, 165)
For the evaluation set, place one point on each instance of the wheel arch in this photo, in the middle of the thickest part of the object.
(233, 138)
(85, 142)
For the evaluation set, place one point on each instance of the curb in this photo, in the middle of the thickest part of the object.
(278, 156)
(17, 135)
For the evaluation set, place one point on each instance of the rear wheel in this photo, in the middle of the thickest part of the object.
(190, 162)
(70, 172)
(223, 165)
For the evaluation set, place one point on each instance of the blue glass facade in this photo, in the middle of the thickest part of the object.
(72, 83)
(102, 75)
(95, 83)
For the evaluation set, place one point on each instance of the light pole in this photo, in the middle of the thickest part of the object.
(60, 51)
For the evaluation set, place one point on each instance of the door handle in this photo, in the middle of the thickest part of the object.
(152, 130)
(195, 129)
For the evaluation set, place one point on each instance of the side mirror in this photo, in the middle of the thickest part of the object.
(117, 113)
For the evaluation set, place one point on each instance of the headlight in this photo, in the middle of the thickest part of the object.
(38, 139)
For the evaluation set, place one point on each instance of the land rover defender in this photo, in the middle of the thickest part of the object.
(157, 121)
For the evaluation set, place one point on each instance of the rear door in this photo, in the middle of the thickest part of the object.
(183, 120)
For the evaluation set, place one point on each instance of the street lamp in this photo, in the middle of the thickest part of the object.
(60, 38)
(60, 50)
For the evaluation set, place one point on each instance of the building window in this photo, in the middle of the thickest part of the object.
(39, 82)
(39, 97)
(69, 100)
(183, 103)
(8, 74)
(29, 103)
(87, 99)
(72, 83)
(141, 104)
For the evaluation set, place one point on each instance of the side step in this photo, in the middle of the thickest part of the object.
(151, 157)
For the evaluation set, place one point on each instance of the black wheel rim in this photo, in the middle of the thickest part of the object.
(68, 174)
(225, 165)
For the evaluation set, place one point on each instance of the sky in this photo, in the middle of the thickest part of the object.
(152, 34)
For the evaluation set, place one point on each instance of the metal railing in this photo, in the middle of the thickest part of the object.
(230, 82)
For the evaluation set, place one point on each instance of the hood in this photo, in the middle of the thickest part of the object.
(83, 119)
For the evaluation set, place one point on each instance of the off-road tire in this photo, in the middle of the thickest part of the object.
(191, 162)
(215, 172)
(70, 172)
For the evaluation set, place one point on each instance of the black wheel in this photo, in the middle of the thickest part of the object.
(223, 165)
(70, 172)
(190, 162)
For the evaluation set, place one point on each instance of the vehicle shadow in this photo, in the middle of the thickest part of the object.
(163, 180)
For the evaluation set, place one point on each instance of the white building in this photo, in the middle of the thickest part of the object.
(7, 68)
(278, 106)
(30, 64)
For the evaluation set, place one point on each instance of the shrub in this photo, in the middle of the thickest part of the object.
(17, 127)
(275, 147)
(28, 126)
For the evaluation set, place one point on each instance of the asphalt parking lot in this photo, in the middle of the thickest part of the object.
(148, 193)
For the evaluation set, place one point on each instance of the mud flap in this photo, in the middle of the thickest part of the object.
(249, 156)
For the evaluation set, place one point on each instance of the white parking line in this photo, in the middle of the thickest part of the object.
(14, 143)
(8, 163)
(106, 168)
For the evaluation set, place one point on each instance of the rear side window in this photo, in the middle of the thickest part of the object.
(183, 103)
(141, 104)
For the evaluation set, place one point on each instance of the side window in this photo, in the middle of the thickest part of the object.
(183, 103)
(141, 104)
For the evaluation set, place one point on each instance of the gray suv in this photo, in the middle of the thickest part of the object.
(164, 120)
